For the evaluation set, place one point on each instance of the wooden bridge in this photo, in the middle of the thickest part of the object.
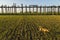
(30, 9)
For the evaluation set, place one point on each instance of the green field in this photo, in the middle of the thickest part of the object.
(25, 27)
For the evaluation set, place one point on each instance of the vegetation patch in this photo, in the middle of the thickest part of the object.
(26, 27)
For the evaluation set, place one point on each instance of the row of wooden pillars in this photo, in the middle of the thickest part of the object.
(42, 9)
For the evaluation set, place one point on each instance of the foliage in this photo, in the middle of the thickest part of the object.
(25, 27)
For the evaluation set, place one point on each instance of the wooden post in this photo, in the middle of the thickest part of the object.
(5, 9)
(15, 9)
(22, 7)
(26, 8)
(14, 4)
(12, 9)
(2, 9)
(58, 10)
(54, 10)
(37, 9)
(44, 9)
(29, 10)
(33, 9)
(51, 9)
(8, 9)
(47, 10)
(40, 9)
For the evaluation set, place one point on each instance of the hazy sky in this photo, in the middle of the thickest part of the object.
(34, 2)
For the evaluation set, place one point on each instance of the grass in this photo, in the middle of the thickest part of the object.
(32, 13)
(13, 25)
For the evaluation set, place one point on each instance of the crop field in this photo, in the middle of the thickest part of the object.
(26, 27)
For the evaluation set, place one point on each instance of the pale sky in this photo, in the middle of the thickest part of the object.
(29, 2)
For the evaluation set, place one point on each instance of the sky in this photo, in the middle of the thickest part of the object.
(29, 2)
